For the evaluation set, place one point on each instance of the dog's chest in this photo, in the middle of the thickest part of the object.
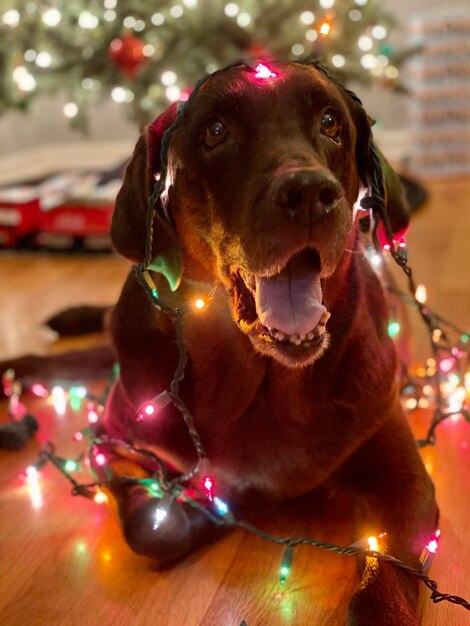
(271, 442)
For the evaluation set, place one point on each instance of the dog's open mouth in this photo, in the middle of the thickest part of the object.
(283, 309)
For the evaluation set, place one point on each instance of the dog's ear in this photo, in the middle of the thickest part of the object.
(378, 176)
(130, 223)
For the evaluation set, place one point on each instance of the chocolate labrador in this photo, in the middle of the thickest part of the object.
(291, 375)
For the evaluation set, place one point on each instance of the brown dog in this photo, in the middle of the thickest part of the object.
(291, 375)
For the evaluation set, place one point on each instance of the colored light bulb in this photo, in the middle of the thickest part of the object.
(39, 390)
(100, 497)
(433, 544)
(71, 466)
(373, 544)
(152, 407)
(100, 459)
(264, 72)
(92, 416)
(208, 485)
(221, 506)
(393, 329)
(286, 564)
(200, 303)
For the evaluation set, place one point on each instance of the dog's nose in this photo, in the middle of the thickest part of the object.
(301, 190)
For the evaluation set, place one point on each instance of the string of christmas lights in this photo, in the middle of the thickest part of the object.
(162, 492)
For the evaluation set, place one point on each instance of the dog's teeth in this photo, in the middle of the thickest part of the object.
(278, 335)
(302, 337)
(325, 317)
(295, 339)
(310, 336)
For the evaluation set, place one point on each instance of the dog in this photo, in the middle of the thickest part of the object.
(291, 376)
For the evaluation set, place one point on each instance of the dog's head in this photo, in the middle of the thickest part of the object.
(262, 176)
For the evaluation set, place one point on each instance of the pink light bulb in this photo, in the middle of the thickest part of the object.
(208, 484)
(149, 409)
(100, 459)
(92, 416)
(39, 390)
(433, 544)
(446, 365)
(264, 72)
(78, 436)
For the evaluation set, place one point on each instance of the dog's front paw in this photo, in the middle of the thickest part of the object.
(163, 530)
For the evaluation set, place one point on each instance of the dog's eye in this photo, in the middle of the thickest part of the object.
(330, 126)
(215, 134)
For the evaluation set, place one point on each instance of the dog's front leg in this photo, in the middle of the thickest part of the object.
(397, 498)
(159, 526)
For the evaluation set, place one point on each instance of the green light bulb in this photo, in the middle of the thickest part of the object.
(393, 329)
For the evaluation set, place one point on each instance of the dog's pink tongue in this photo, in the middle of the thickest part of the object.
(291, 300)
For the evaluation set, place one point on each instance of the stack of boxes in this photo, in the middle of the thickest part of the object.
(439, 83)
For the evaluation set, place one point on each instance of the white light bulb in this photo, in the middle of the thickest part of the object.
(27, 82)
(87, 20)
(338, 60)
(139, 26)
(382, 60)
(368, 61)
(70, 109)
(244, 19)
(19, 72)
(30, 55)
(176, 11)
(231, 9)
(11, 18)
(43, 59)
(148, 50)
(379, 32)
(88, 83)
(173, 93)
(109, 16)
(168, 78)
(191, 4)
(307, 17)
(327, 4)
(391, 72)
(311, 35)
(157, 19)
(51, 17)
(129, 22)
(110, 4)
(361, 3)
(355, 15)
(118, 94)
(297, 49)
(365, 43)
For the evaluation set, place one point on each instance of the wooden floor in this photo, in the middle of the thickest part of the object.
(62, 559)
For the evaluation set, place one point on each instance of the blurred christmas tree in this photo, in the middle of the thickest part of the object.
(141, 53)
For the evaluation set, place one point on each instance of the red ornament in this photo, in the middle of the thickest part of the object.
(127, 53)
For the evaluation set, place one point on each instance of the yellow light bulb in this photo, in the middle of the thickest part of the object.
(325, 28)
(373, 544)
(200, 304)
